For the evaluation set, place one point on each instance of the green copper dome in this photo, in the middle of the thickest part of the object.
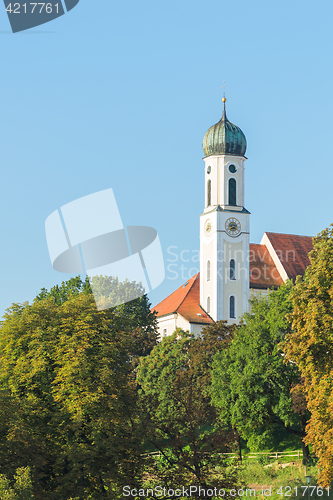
(224, 138)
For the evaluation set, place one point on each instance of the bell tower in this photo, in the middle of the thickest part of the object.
(224, 224)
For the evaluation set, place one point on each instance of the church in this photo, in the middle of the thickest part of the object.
(232, 270)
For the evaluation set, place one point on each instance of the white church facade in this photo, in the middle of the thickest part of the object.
(231, 268)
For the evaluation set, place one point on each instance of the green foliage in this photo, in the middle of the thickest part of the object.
(286, 480)
(110, 292)
(135, 313)
(18, 489)
(251, 383)
(68, 392)
(67, 290)
(264, 460)
(310, 345)
(181, 423)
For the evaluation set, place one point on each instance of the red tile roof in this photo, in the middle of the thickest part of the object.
(292, 250)
(185, 301)
(263, 273)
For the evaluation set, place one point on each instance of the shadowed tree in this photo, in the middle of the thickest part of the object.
(19, 489)
(181, 423)
(251, 382)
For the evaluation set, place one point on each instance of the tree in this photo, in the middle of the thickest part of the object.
(181, 423)
(135, 313)
(67, 290)
(251, 382)
(67, 381)
(20, 490)
(310, 346)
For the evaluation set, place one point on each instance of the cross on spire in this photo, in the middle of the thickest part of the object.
(224, 100)
(223, 87)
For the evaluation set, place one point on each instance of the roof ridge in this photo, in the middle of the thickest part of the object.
(290, 234)
(188, 291)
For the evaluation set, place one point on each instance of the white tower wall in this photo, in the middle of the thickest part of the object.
(217, 246)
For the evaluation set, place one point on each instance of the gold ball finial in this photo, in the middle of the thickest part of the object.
(224, 99)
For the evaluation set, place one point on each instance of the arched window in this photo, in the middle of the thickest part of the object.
(208, 270)
(232, 269)
(232, 192)
(208, 305)
(232, 311)
(209, 193)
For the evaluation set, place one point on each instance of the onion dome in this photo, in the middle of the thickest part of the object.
(224, 138)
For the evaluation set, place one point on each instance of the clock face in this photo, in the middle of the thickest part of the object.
(208, 227)
(233, 226)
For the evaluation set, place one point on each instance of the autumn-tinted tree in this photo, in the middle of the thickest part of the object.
(67, 385)
(251, 383)
(181, 423)
(136, 313)
(310, 346)
(19, 489)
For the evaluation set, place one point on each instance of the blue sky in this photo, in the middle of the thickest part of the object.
(120, 94)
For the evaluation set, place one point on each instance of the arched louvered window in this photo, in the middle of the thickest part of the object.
(232, 269)
(209, 193)
(232, 308)
(208, 270)
(232, 192)
(208, 305)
